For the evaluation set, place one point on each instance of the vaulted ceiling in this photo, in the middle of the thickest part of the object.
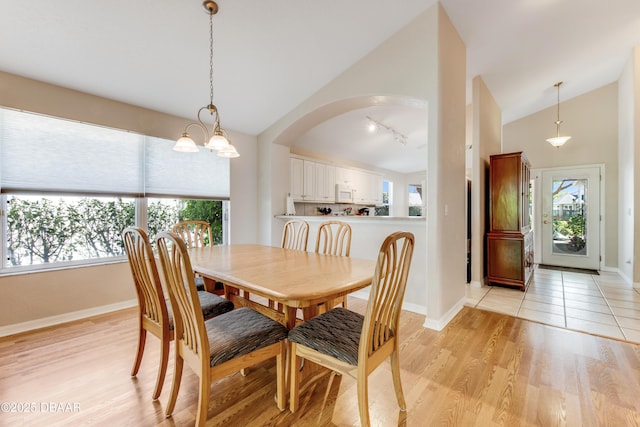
(269, 56)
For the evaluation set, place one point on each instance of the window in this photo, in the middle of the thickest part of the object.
(54, 229)
(69, 189)
(415, 200)
(387, 197)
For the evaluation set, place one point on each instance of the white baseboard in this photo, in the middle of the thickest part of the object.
(414, 308)
(63, 318)
(439, 324)
(476, 284)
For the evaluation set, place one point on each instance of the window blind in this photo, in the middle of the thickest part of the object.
(48, 154)
(198, 175)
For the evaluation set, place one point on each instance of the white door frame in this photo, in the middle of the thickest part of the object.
(536, 177)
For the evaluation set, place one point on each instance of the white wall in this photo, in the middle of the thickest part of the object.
(486, 140)
(626, 174)
(244, 187)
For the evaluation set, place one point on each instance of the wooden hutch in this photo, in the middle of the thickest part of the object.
(510, 238)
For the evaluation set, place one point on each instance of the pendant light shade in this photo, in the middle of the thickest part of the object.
(558, 141)
(185, 144)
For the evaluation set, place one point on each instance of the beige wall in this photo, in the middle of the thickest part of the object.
(629, 169)
(423, 63)
(446, 182)
(592, 121)
(34, 297)
(486, 140)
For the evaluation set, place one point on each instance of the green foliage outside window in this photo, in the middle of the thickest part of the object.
(47, 229)
(205, 210)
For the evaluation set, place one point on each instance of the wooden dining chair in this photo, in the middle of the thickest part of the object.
(334, 238)
(197, 234)
(217, 347)
(295, 235)
(154, 315)
(352, 344)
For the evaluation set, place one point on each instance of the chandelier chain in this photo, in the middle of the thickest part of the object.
(211, 57)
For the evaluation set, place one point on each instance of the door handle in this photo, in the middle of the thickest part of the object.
(545, 222)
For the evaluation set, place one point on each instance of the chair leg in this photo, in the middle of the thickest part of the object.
(162, 370)
(363, 399)
(203, 399)
(142, 338)
(397, 384)
(280, 376)
(177, 377)
(294, 379)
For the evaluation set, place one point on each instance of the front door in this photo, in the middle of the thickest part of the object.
(571, 217)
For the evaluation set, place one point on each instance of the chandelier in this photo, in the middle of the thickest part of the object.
(374, 125)
(558, 141)
(217, 138)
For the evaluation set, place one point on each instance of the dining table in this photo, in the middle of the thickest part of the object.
(297, 280)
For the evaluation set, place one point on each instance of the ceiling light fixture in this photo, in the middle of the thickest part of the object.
(397, 136)
(217, 139)
(558, 141)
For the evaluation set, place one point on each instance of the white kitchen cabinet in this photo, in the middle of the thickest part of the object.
(316, 182)
(345, 176)
(367, 188)
(325, 180)
(302, 185)
(376, 196)
(297, 179)
(309, 184)
(312, 181)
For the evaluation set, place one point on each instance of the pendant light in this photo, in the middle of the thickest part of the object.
(217, 138)
(558, 141)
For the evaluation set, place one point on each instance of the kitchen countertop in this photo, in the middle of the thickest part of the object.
(354, 217)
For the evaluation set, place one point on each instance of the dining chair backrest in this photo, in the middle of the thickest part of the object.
(387, 293)
(151, 299)
(180, 282)
(153, 314)
(334, 238)
(295, 235)
(194, 233)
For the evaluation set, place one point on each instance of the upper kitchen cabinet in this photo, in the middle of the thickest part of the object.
(312, 181)
(367, 188)
(366, 185)
(325, 180)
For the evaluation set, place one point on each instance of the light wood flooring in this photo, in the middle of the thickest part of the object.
(483, 369)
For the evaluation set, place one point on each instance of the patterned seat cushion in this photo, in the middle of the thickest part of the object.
(200, 284)
(335, 333)
(240, 332)
(213, 305)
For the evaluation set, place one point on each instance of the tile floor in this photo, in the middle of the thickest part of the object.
(598, 304)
